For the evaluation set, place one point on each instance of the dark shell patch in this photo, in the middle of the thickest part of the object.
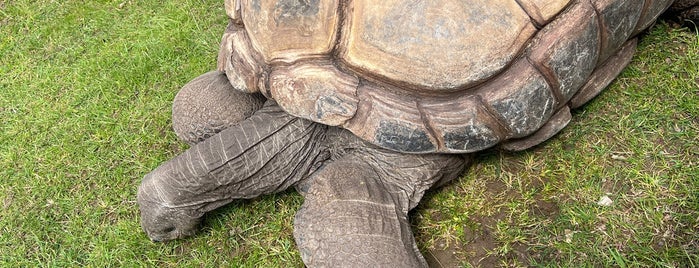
(293, 11)
(397, 136)
(469, 138)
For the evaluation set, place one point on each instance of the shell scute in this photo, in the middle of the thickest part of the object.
(543, 11)
(464, 125)
(566, 50)
(232, 8)
(521, 98)
(307, 28)
(241, 63)
(651, 11)
(433, 45)
(618, 18)
(315, 90)
(604, 74)
(555, 124)
(391, 120)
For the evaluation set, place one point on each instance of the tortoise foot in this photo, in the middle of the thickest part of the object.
(355, 213)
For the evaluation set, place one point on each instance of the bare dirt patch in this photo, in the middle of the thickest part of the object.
(7, 201)
(443, 256)
(484, 242)
(481, 243)
(542, 208)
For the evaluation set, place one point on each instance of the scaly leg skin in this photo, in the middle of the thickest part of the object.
(263, 154)
(208, 104)
(355, 212)
(173, 197)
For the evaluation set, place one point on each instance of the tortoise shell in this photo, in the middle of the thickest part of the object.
(450, 76)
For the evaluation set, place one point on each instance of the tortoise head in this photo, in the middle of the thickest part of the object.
(163, 222)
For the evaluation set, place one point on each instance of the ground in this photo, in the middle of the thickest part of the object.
(85, 95)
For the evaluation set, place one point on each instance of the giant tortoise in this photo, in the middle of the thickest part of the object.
(364, 105)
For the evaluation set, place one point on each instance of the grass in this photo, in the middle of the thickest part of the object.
(85, 95)
(636, 144)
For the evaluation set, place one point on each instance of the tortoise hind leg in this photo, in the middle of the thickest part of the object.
(686, 11)
(355, 213)
(208, 104)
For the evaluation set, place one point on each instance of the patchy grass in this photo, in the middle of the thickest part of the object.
(636, 143)
(85, 95)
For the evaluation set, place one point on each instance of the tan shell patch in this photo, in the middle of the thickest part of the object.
(287, 30)
(434, 45)
(240, 62)
(315, 90)
(233, 10)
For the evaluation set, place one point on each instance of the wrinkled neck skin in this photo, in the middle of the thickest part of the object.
(262, 155)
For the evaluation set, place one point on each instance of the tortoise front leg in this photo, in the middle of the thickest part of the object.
(355, 213)
(208, 104)
(263, 154)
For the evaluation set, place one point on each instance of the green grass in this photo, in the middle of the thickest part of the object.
(85, 95)
(636, 143)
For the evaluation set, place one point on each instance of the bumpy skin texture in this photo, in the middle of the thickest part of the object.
(263, 154)
(198, 115)
(686, 11)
